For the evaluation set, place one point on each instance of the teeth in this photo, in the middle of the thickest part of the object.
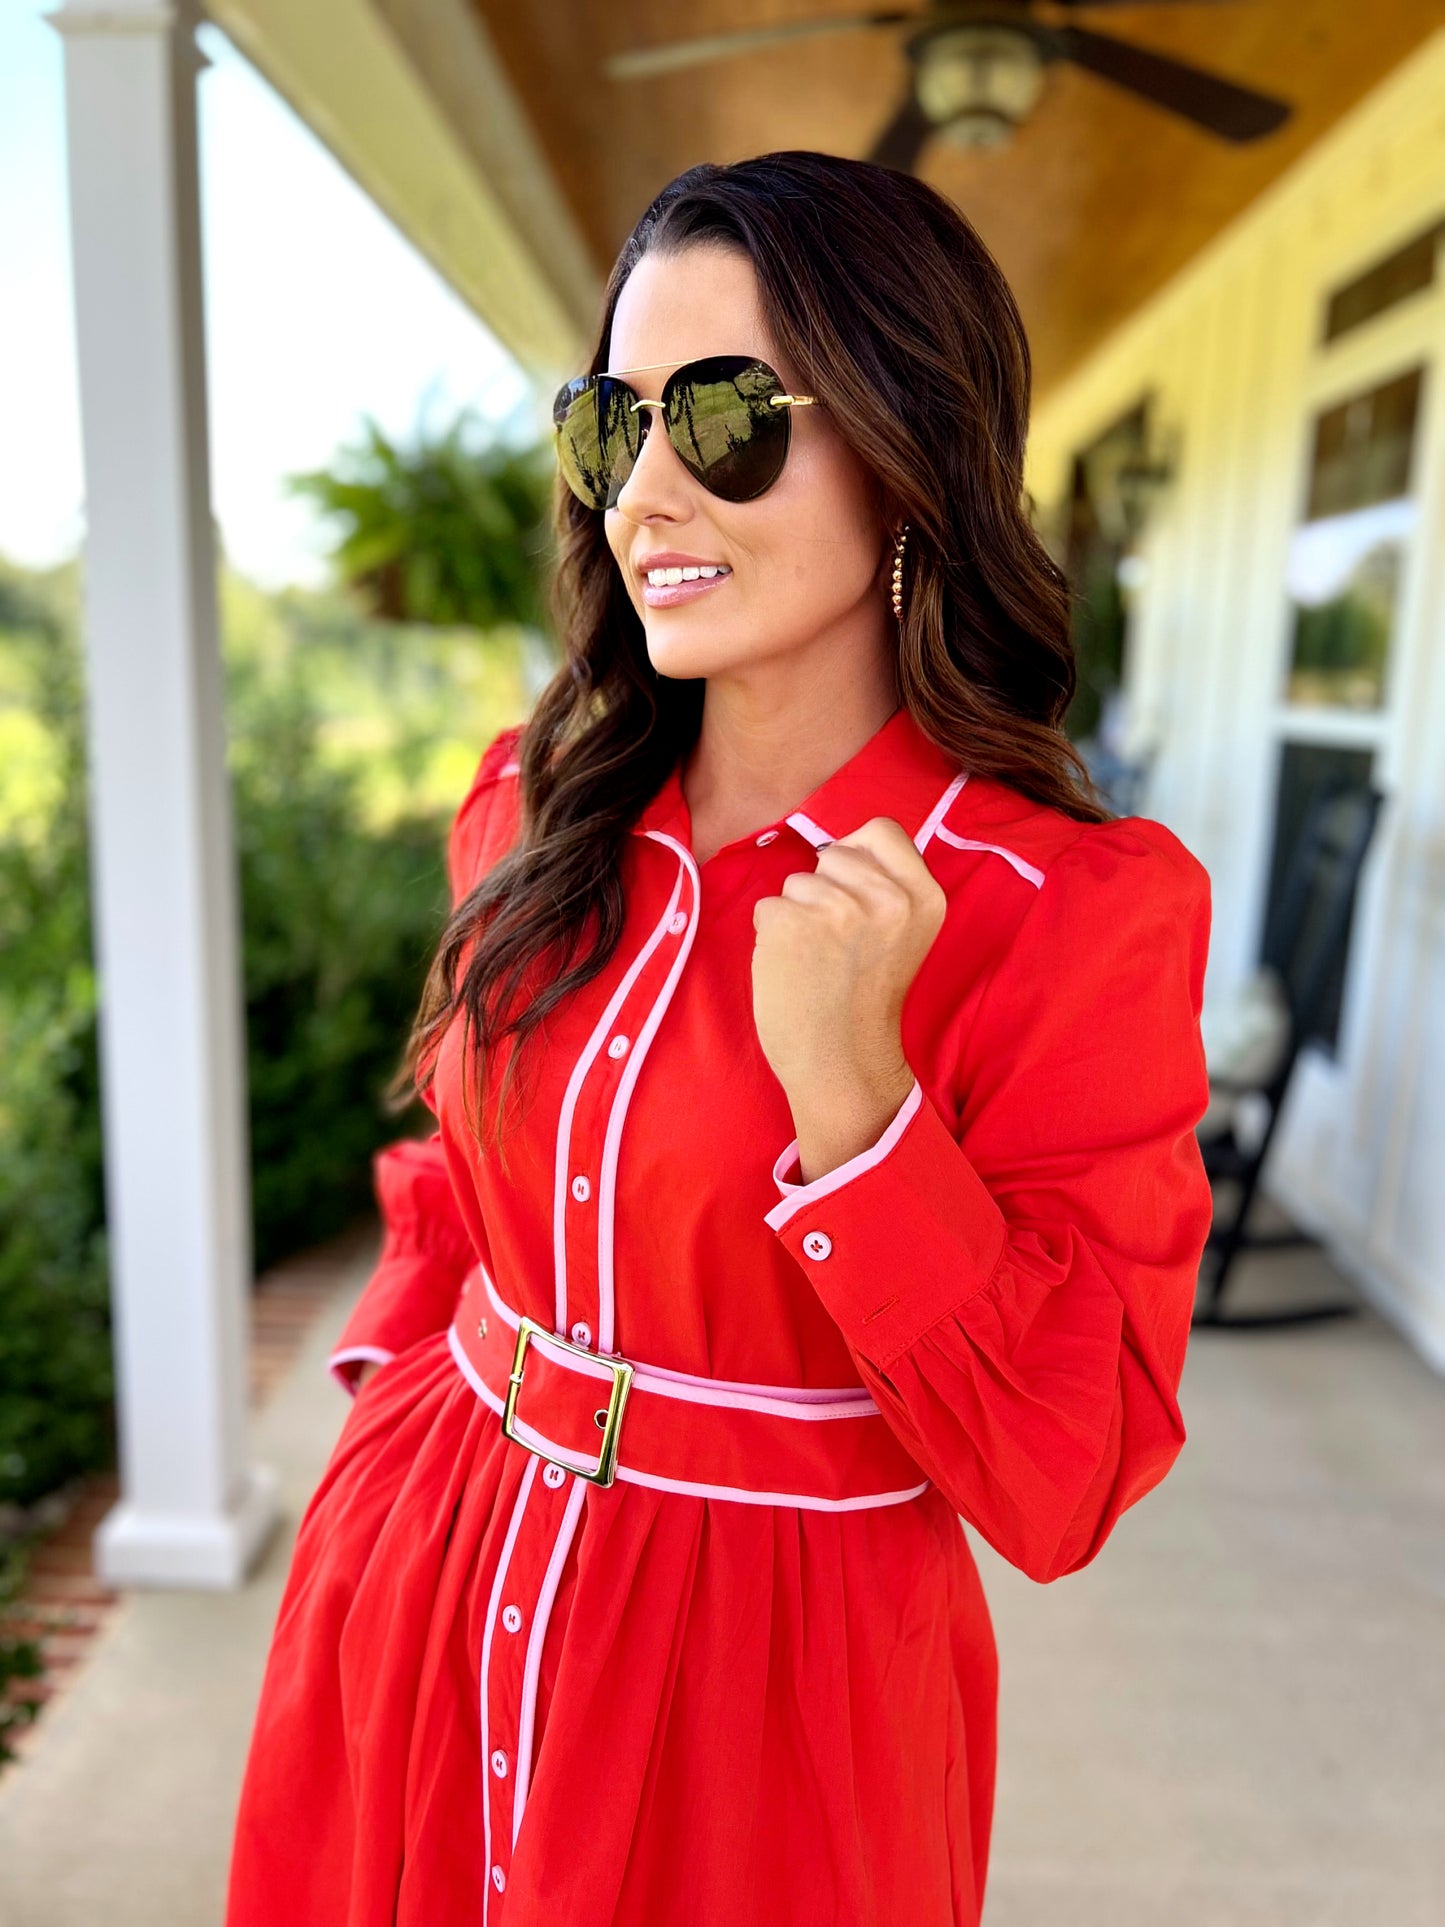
(665, 578)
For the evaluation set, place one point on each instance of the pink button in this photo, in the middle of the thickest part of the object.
(511, 1619)
(581, 1188)
(581, 1333)
(499, 1879)
(618, 1047)
(768, 836)
(553, 1475)
(677, 921)
(817, 1244)
(499, 1764)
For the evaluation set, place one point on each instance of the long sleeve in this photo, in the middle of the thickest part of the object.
(1017, 1292)
(426, 1250)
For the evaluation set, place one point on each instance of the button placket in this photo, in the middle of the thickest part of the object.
(548, 1524)
(502, 1677)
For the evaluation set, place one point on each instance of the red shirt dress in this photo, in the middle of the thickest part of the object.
(753, 1678)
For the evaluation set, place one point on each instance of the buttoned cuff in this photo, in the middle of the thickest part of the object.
(896, 1237)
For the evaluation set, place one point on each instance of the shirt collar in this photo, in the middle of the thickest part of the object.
(899, 772)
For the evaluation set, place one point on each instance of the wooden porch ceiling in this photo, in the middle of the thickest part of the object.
(1100, 198)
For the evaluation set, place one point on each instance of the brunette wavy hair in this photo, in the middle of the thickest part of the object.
(898, 318)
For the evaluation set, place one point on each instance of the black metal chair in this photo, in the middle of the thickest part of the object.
(1305, 946)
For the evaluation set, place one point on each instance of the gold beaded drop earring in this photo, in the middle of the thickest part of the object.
(899, 543)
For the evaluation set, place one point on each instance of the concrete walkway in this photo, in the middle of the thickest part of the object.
(1234, 1718)
(122, 1813)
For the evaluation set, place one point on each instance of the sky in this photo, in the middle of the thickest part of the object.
(317, 313)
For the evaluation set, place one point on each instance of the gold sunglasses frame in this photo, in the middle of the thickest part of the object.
(647, 367)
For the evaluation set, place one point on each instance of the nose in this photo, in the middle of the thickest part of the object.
(657, 489)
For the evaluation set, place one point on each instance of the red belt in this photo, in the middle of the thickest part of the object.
(603, 1417)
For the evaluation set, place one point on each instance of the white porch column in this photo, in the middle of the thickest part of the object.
(192, 1511)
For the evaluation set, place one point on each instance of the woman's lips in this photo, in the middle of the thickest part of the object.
(670, 594)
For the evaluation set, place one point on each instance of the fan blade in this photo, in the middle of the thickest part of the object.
(643, 62)
(904, 138)
(1234, 113)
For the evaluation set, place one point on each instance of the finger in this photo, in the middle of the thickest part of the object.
(856, 882)
(864, 873)
(848, 883)
(893, 850)
(767, 910)
(804, 893)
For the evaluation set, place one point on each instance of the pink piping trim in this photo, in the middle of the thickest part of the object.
(561, 1186)
(499, 1305)
(612, 1141)
(541, 1611)
(806, 827)
(525, 1432)
(1029, 870)
(469, 1372)
(550, 1449)
(694, 1489)
(541, 1615)
(514, 1526)
(783, 1401)
(697, 1393)
(804, 1503)
(781, 1163)
(569, 1104)
(932, 823)
(805, 1194)
(356, 1354)
(592, 1367)
(818, 836)
(795, 1394)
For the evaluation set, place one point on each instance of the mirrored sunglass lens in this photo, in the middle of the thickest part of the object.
(597, 438)
(721, 422)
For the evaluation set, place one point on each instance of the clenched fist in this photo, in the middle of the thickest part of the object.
(834, 957)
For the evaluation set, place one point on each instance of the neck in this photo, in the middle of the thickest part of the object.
(772, 732)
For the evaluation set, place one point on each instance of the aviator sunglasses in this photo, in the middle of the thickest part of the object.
(728, 417)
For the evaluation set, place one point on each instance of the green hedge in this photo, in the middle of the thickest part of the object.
(349, 747)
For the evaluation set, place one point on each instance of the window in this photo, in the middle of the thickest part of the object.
(1347, 556)
(1405, 272)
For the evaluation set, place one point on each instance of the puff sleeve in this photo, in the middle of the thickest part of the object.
(426, 1250)
(1017, 1292)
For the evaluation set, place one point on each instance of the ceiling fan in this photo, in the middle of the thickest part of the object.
(978, 67)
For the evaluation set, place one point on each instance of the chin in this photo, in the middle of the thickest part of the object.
(685, 650)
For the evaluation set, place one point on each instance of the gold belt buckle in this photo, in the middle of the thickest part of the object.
(609, 1420)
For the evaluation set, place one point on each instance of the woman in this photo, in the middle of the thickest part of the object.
(816, 1065)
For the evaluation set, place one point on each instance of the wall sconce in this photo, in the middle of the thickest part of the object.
(1127, 481)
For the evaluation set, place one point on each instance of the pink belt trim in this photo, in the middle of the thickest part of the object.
(713, 1438)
